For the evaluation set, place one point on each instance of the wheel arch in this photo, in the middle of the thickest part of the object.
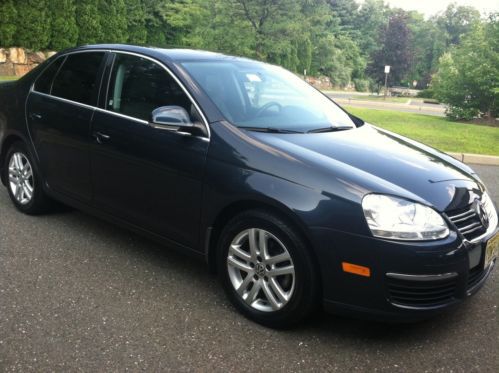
(237, 207)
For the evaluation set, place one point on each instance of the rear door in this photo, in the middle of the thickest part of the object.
(148, 175)
(59, 110)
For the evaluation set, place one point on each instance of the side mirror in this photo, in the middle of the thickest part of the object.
(171, 116)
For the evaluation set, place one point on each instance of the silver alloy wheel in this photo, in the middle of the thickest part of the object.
(21, 180)
(261, 270)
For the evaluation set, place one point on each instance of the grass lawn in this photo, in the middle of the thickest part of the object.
(5, 78)
(435, 131)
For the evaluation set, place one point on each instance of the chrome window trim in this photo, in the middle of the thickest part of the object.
(203, 117)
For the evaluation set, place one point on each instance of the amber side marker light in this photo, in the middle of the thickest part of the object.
(356, 269)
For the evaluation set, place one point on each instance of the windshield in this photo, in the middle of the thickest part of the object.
(258, 95)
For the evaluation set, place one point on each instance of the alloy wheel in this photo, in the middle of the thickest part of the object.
(21, 181)
(261, 270)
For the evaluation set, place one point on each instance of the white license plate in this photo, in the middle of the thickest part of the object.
(491, 250)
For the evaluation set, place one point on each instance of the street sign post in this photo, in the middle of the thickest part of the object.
(387, 71)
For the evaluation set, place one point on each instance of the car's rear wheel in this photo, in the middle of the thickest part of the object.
(24, 182)
(267, 270)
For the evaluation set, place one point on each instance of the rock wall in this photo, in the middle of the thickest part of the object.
(18, 61)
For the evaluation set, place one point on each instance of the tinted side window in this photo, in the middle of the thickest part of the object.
(44, 82)
(77, 78)
(138, 86)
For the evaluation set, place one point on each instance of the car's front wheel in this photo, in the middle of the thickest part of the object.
(267, 269)
(24, 182)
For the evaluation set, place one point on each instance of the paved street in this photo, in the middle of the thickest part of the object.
(413, 106)
(80, 294)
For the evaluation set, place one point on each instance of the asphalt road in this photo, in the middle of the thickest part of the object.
(415, 106)
(78, 294)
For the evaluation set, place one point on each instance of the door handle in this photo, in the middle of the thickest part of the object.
(101, 137)
(35, 116)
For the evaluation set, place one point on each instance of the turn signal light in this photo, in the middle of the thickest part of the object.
(356, 269)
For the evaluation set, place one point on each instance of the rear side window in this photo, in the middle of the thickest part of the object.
(44, 82)
(138, 86)
(77, 78)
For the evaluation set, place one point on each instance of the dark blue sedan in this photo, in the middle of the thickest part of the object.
(293, 201)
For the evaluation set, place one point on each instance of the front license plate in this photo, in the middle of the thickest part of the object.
(491, 250)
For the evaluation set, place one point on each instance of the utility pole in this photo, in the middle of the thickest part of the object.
(387, 71)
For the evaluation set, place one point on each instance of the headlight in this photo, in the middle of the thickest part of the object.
(399, 219)
(491, 212)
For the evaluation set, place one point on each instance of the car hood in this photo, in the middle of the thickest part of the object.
(368, 159)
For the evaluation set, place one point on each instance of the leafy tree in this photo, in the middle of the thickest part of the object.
(33, 24)
(88, 21)
(8, 15)
(370, 20)
(468, 76)
(396, 50)
(457, 21)
(346, 11)
(136, 21)
(113, 22)
(64, 30)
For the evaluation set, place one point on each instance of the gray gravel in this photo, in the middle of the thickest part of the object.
(77, 293)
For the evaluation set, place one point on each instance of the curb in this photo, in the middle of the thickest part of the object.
(488, 160)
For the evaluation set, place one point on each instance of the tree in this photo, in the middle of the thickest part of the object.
(395, 51)
(136, 21)
(370, 20)
(113, 22)
(468, 76)
(88, 21)
(457, 21)
(33, 24)
(8, 15)
(64, 30)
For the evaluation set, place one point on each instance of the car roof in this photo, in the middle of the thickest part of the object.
(174, 55)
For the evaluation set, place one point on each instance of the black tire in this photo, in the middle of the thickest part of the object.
(306, 295)
(40, 202)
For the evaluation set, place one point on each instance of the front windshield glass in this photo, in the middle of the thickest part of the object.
(254, 94)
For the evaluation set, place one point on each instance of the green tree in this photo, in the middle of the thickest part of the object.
(457, 21)
(33, 24)
(468, 77)
(370, 20)
(395, 51)
(88, 21)
(136, 21)
(8, 15)
(113, 22)
(64, 30)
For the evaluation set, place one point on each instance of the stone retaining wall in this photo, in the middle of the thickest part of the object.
(18, 61)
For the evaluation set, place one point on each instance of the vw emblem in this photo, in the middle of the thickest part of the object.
(260, 269)
(482, 215)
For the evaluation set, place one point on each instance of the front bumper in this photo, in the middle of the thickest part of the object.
(408, 280)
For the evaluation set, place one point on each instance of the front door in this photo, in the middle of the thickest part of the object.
(149, 176)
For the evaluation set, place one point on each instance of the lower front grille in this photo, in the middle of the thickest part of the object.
(421, 294)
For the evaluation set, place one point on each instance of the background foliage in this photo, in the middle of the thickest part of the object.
(342, 39)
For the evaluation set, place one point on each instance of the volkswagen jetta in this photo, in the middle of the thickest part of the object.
(293, 201)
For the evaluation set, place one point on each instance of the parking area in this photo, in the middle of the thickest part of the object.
(77, 293)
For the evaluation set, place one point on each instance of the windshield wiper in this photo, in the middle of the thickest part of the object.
(330, 129)
(270, 129)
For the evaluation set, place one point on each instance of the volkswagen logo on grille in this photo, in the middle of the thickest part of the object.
(481, 213)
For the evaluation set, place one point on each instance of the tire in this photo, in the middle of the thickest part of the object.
(32, 199)
(278, 286)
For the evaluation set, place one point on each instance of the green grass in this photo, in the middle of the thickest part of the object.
(434, 131)
(7, 78)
